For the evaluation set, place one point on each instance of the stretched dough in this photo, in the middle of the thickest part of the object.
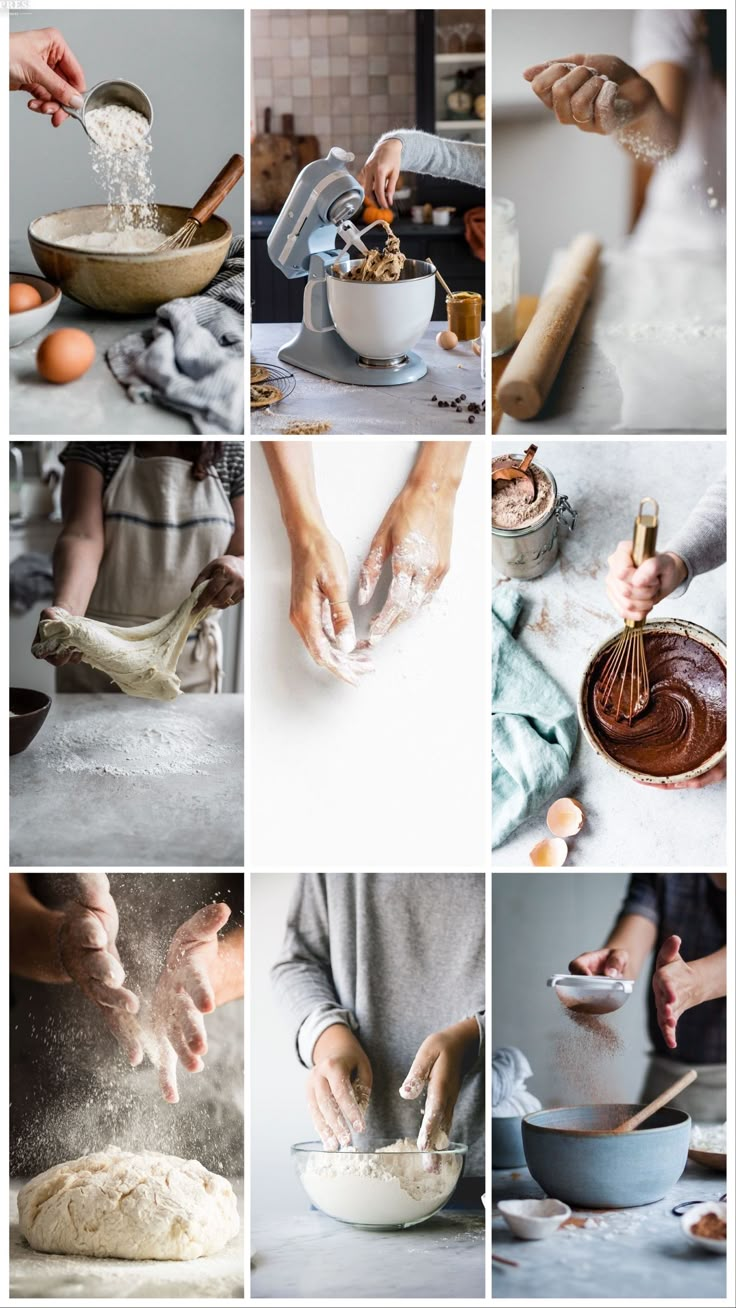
(140, 660)
(114, 1204)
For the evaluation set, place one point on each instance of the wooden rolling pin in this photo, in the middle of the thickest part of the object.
(531, 371)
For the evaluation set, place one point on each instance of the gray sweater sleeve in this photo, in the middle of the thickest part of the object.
(302, 976)
(463, 161)
(701, 541)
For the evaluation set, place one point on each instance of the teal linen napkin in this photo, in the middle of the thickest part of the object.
(534, 725)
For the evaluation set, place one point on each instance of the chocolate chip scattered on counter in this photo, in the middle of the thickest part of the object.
(434, 397)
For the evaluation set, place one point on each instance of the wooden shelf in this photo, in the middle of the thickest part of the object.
(447, 124)
(474, 57)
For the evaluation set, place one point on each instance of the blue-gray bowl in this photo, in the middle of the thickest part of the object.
(605, 1171)
(507, 1149)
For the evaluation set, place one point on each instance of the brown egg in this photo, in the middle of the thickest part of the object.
(23, 296)
(65, 355)
(447, 339)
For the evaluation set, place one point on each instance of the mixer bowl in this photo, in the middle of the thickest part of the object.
(126, 283)
(381, 321)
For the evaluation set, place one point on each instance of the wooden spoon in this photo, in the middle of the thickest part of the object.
(631, 1123)
(507, 470)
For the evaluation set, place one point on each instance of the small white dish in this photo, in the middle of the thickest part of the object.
(533, 1219)
(31, 321)
(693, 1215)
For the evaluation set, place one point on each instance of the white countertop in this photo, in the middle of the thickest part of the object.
(310, 1256)
(405, 410)
(649, 353)
(38, 1275)
(567, 614)
(633, 1253)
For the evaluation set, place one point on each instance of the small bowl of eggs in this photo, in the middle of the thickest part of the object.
(33, 303)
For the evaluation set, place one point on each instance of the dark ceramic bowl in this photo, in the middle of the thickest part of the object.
(507, 1149)
(605, 1171)
(31, 707)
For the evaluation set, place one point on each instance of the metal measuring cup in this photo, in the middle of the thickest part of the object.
(113, 91)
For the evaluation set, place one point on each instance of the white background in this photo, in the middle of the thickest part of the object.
(393, 772)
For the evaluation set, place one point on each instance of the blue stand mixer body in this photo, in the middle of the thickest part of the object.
(303, 243)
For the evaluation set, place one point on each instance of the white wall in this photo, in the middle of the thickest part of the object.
(395, 770)
(562, 181)
(542, 920)
(279, 1116)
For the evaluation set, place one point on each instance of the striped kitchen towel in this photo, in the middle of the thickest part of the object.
(191, 360)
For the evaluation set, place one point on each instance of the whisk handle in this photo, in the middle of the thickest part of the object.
(644, 544)
(219, 188)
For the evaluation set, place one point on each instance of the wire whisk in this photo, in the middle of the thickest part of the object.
(623, 688)
(205, 206)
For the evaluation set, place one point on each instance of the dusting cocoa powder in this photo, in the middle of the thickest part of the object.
(584, 1055)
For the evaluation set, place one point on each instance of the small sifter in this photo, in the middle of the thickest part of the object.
(623, 688)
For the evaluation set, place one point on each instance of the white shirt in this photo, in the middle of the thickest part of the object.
(685, 208)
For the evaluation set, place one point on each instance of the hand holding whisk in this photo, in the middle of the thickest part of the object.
(623, 689)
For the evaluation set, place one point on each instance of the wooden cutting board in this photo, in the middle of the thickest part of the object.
(274, 165)
(307, 147)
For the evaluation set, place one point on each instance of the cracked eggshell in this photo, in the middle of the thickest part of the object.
(549, 852)
(565, 817)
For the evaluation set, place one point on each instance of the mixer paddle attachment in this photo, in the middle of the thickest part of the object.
(623, 688)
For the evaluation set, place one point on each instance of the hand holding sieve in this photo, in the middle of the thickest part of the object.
(114, 91)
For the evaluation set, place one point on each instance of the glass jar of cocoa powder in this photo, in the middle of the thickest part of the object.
(526, 536)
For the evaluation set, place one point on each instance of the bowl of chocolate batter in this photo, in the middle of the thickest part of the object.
(682, 732)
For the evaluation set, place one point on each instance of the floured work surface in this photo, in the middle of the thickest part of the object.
(649, 354)
(112, 781)
(39, 1275)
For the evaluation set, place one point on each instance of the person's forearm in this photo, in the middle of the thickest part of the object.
(291, 465)
(229, 973)
(638, 936)
(710, 975)
(439, 466)
(76, 564)
(34, 951)
(335, 1042)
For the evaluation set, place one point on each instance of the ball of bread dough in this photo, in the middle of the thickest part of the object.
(122, 1205)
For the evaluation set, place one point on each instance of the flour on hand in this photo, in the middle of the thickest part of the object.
(124, 1205)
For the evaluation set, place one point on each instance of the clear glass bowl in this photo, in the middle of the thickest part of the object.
(375, 1188)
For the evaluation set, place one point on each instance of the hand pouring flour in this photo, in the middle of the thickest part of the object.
(391, 1187)
(121, 161)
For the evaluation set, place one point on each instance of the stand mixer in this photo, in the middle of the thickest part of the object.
(351, 331)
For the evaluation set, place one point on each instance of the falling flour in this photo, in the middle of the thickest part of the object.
(144, 742)
(390, 1187)
(583, 1057)
(121, 160)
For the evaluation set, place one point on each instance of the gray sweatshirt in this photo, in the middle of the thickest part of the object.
(395, 957)
(701, 541)
(463, 161)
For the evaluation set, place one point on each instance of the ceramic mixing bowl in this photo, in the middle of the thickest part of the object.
(31, 321)
(507, 1149)
(605, 1171)
(381, 321)
(29, 709)
(126, 283)
(378, 1191)
(670, 626)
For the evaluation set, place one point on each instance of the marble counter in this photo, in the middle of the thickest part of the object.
(100, 804)
(310, 1256)
(630, 1253)
(405, 410)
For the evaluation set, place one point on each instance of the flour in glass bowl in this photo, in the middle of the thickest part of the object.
(390, 1187)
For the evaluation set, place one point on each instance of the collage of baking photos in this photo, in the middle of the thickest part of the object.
(369, 912)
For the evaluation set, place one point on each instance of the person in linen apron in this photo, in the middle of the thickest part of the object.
(161, 528)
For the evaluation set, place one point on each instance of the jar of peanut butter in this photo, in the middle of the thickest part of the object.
(463, 314)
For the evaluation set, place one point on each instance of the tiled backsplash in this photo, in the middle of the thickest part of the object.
(345, 75)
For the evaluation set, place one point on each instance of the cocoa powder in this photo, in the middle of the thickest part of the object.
(510, 508)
